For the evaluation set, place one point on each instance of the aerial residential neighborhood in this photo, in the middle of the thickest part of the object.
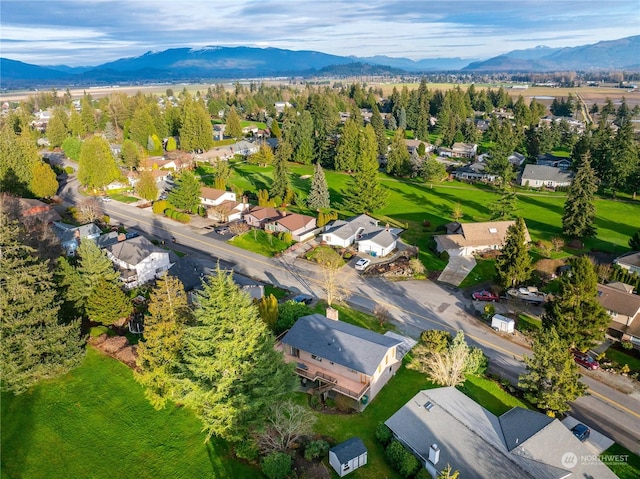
(237, 261)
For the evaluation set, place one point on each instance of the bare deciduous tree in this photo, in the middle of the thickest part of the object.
(333, 282)
(558, 243)
(89, 210)
(238, 228)
(382, 314)
(286, 423)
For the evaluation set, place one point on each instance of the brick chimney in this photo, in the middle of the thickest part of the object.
(332, 313)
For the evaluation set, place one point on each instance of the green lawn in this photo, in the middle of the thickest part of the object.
(484, 270)
(260, 242)
(629, 469)
(95, 422)
(411, 203)
(355, 317)
(490, 395)
(279, 293)
(631, 357)
(123, 198)
(528, 323)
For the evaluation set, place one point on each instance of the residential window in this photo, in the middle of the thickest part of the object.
(317, 358)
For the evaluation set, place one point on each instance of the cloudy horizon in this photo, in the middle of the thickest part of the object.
(92, 32)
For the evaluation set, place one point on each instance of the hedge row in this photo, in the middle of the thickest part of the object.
(177, 215)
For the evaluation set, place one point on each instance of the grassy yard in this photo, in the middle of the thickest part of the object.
(490, 395)
(355, 317)
(123, 198)
(260, 242)
(631, 357)
(484, 270)
(412, 203)
(629, 469)
(95, 422)
(528, 323)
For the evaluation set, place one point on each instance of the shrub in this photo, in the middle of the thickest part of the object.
(343, 403)
(276, 465)
(383, 434)
(435, 340)
(316, 450)
(409, 465)
(423, 474)
(401, 460)
(247, 450)
(286, 237)
(628, 345)
(69, 170)
(160, 206)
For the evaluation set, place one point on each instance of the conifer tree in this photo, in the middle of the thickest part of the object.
(231, 372)
(552, 378)
(575, 311)
(281, 186)
(57, 127)
(268, 310)
(398, 157)
(142, 127)
(187, 192)
(233, 128)
(44, 183)
(578, 219)
(514, 263)
(347, 149)
(365, 193)
(107, 303)
(35, 344)
(196, 132)
(378, 126)
(302, 138)
(319, 195)
(146, 186)
(97, 166)
(159, 353)
(634, 241)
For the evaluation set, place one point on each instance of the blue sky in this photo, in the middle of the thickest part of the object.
(91, 32)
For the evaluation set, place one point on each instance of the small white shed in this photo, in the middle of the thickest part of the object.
(348, 456)
(502, 324)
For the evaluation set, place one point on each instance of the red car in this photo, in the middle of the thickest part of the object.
(585, 360)
(485, 296)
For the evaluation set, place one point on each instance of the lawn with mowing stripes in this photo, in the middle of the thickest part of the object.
(95, 422)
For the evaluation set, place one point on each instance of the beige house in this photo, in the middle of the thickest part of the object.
(624, 308)
(259, 215)
(301, 227)
(339, 358)
(460, 150)
(214, 197)
(465, 239)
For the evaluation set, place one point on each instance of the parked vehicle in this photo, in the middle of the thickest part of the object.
(581, 431)
(529, 294)
(502, 324)
(362, 263)
(585, 360)
(303, 298)
(485, 296)
(106, 199)
(222, 230)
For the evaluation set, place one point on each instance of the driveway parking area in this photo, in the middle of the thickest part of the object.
(597, 442)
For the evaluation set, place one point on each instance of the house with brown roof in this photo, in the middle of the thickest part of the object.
(624, 308)
(29, 211)
(214, 197)
(465, 239)
(259, 215)
(301, 227)
(227, 211)
(414, 145)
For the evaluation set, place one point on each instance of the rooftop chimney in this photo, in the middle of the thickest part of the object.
(122, 237)
(434, 454)
(332, 313)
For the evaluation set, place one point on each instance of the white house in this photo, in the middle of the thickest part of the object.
(214, 197)
(475, 172)
(465, 239)
(138, 260)
(538, 176)
(460, 150)
(363, 231)
(348, 456)
(629, 261)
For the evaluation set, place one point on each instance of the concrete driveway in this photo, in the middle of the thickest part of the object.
(457, 269)
(597, 442)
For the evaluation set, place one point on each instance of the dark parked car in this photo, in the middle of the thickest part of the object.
(485, 296)
(585, 360)
(303, 298)
(581, 431)
(223, 230)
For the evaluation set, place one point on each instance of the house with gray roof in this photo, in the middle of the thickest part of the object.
(138, 260)
(340, 358)
(348, 456)
(624, 308)
(444, 426)
(539, 176)
(70, 235)
(475, 172)
(629, 261)
(364, 231)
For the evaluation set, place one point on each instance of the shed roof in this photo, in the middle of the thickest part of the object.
(349, 449)
(342, 343)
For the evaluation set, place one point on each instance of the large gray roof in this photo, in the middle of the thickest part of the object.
(521, 443)
(342, 343)
(347, 228)
(347, 450)
(134, 250)
(545, 173)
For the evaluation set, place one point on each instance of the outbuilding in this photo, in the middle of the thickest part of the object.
(348, 456)
(502, 324)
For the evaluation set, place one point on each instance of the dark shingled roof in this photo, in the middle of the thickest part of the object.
(349, 449)
(342, 343)
(519, 424)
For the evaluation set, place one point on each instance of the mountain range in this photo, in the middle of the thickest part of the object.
(215, 62)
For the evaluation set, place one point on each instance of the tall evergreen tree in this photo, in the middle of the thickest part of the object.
(578, 219)
(97, 167)
(302, 138)
(365, 194)
(187, 192)
(398, 158)
(159, 353)
(107, 303)
(196, 132)
(233, 128)
(35, 344)
(347, 148)
(505, 207)
(57, 127)
(378, 126)
(514, 263)
(19, 157)
(146, 186)
(131, 154)
(231, 373)
(634, 241)
(552, 378)
(319, 195)
(281, 186)
(422, 112)
(44, 183)
(141, 127)
(575, 311)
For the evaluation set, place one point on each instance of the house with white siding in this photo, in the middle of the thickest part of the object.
(138, 260)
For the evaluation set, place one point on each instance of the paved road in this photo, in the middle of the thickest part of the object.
(414, 305)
